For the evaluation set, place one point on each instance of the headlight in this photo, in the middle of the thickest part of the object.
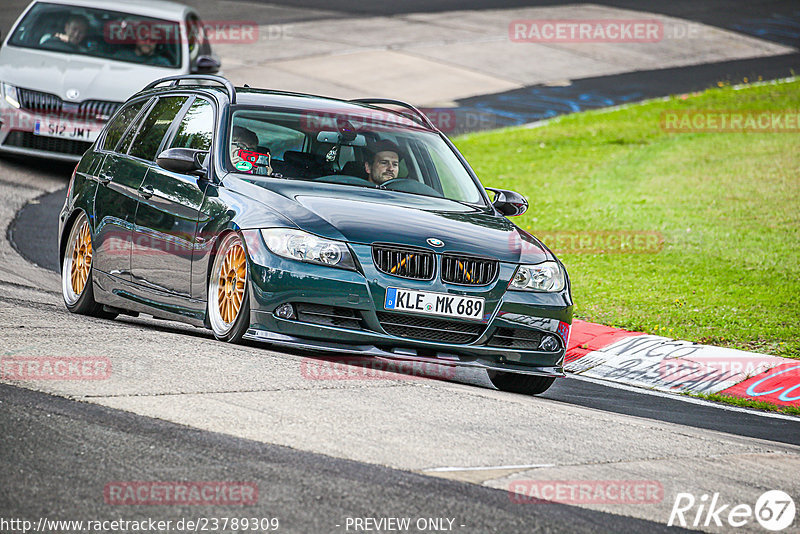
(547, 276)
(10, 95)
(302, 246)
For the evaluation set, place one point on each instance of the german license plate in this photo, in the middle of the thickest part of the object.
(426, 302)
(65, 129)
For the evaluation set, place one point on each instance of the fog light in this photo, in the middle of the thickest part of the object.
(285, 311)
(549, 343)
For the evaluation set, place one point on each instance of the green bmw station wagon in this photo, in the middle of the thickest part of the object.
(343, 227)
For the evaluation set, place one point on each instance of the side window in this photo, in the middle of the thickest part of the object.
(155, 126)
(196, 127)
(117, 127)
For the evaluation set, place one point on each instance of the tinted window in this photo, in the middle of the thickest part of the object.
(196, 127)
(155, 126)
(277, 137)
(120, 123)
(311, 145)
(100, 33)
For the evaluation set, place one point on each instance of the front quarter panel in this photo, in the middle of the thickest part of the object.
(226, 208)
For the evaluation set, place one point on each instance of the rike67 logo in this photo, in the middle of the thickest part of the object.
(774, 510)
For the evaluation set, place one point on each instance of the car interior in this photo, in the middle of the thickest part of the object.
(336, 156)
(43, 22)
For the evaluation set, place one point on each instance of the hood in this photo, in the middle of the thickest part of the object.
(93, 78)
(366, 216)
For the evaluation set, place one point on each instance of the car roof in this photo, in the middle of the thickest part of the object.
(249, 96)
(246, 96)
(149, 8)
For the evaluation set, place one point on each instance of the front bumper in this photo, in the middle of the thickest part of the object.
(17, 135)
(276, 281)
(404, 354)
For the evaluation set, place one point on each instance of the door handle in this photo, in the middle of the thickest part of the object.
(146, 191)
(104, 179)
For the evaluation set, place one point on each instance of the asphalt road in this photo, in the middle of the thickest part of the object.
(324, 451)
(57, 455)
(181, 406)
(33, 233)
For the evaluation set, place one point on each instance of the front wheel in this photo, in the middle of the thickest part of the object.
(76, 271)
(520, 383)
(228, 299)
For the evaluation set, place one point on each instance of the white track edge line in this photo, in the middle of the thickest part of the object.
(484, 468)
(683, 398)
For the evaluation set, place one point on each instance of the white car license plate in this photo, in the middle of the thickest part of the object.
(65, 129)
(444, 304)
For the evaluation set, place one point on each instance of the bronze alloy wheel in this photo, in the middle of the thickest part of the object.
(75, 273)
(228, 308)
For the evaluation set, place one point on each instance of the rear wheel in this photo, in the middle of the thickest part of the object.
(228, 299)
(520, 383)
(76, 271)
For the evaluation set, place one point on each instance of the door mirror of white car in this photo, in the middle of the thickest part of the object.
(206, 65)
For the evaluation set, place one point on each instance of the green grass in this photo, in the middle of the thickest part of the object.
(726, 204)
(747, 403)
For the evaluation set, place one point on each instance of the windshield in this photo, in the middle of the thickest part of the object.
(373, 148)
(100, 33)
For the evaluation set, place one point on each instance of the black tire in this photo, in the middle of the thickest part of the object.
(77, 288)
(227, 328)
(520, 383)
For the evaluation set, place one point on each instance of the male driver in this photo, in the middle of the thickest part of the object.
(75, 30)
(385, 163)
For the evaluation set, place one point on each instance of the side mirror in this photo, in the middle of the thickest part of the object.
(182, 160)
(509, 203)
(206, 65)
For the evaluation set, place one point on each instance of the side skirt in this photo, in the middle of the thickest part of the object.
(118, 293)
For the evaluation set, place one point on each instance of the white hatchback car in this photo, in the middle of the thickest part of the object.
(67, 65)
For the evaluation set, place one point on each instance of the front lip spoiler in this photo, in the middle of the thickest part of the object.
(452, 360)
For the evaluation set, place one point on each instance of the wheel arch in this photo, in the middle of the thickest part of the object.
(66, 230)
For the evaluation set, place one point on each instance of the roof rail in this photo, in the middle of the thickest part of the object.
(176, 80)
(424, 119)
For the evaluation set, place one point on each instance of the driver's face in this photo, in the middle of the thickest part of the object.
(75, 32)
(385, 166)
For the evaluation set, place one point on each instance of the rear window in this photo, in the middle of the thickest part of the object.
(116, 128)
(100, 33)
(155, 126)
(196, 128)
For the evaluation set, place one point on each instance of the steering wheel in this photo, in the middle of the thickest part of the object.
(409, 185)
(384, 184)
(344, 179)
